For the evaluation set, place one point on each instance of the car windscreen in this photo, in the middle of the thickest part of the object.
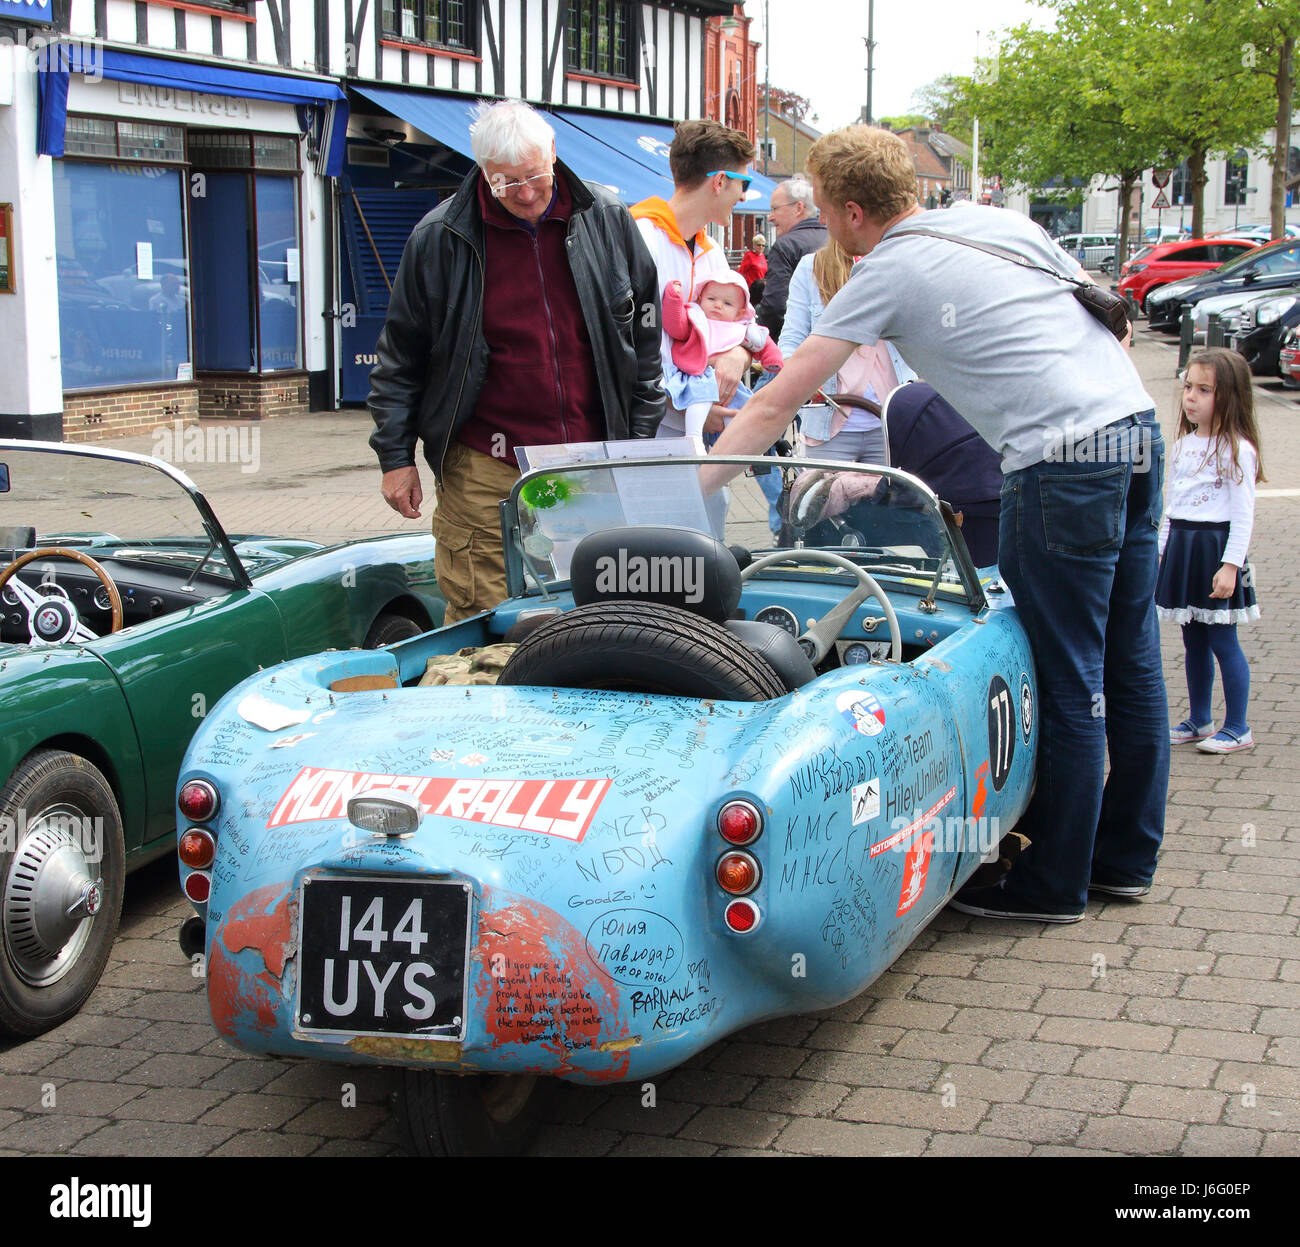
(110, 507)
(1263, 259)
(886, 521)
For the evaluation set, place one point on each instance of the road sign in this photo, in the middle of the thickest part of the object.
(1161, 177)
(1160, 201)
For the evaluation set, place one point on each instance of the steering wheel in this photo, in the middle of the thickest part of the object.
(822, 633)
(68, 629)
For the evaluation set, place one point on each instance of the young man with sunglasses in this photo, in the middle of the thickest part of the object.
(524, 312)
(710, 177)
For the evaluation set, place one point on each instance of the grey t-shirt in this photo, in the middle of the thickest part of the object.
(1010, 348)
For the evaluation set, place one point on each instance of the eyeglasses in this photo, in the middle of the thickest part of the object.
(499, 188)
(745, 182)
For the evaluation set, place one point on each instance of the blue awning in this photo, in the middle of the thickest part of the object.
(447, 118)
(326, 100)
(647, 143)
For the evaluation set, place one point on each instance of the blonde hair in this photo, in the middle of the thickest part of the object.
(831, 268)
(866, 166)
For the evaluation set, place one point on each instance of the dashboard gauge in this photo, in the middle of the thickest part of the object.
(101, 599)
(857, 653)
(8, 596)
(781, 617)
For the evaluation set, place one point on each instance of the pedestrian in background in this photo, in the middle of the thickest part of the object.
(753, 267)
(1205, 580)
(525, 312)
(793, 215)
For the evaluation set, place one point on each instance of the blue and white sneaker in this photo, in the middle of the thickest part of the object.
(1187, 731)
(1224, 741)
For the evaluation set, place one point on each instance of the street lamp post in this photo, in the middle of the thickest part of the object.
(871, 51)
(767, 80)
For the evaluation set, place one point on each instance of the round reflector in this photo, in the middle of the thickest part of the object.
(742, 916)
(197, 848)
(198, 800)
(739, 822)
(737, 873)
(198, 887)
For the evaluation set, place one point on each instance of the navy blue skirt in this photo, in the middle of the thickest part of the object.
(1192, 555)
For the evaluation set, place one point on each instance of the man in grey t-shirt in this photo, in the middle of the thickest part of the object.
(1058, 397)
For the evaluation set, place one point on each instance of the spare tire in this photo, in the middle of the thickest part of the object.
(644, 647)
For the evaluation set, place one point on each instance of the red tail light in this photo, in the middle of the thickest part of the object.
(742, 916)
(198, 887)
(197, 848)
(198, 800)
(739, 822)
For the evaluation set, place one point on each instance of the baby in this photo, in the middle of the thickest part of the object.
(721, 317)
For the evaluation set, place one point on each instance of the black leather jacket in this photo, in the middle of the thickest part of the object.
(432, 353)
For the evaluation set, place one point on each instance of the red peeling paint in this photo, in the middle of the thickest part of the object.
(232, 995)
(538, 985)
(257, 922)
(981, 794)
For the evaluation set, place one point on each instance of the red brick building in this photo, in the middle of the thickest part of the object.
(731, 90)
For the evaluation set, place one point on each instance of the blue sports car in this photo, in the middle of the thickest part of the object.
(683, 779)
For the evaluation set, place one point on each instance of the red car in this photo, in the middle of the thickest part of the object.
(1168, 261)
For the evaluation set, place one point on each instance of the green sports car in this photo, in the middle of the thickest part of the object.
(125, 613)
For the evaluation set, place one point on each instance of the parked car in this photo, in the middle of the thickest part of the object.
(1089, 249)
(125, 613)
(1274, 266)
(1257, 329)
(1169, 261)
(684, 807)
(1289, 358)
(1260, 233)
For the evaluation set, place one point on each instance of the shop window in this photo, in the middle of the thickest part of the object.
(598, 36)
(444, 23)
(247, 252)
(123, 279)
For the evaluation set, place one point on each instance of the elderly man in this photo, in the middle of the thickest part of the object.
(798, 231)
(1082, 463)
(525, 311)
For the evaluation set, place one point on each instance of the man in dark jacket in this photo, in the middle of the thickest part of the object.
(794, 217)
(525, 312)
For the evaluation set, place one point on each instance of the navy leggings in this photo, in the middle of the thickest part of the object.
(1205, 643)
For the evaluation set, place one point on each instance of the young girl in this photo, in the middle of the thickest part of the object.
(1205, 581)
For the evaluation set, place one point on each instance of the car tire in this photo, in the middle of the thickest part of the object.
(389, 628)
(470, 1115)
(50, 962)
(645, 647)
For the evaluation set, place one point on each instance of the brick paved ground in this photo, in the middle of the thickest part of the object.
(1163, 1027)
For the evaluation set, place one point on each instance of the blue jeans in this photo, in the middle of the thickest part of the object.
(1078, 540)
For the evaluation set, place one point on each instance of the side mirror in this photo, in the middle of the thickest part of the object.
(1250, 275)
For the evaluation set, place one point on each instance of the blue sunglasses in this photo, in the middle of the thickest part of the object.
(745, 182)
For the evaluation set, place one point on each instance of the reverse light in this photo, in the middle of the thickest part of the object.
(385, 812)
(198, 887)
(737, 873)
(741, 916)
(197, 848)
(740, 822)
(198, 800)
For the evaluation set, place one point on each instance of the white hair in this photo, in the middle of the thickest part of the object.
(801, 192)
(507, 132)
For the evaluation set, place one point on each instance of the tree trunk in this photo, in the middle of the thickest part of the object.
(1196, 188)
(1126, 183)
(1282, 146)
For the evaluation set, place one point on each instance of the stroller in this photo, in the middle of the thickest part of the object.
(926, 436)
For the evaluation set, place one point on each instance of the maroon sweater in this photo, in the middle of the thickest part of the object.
(541, 385)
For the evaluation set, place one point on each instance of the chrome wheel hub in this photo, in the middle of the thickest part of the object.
(50, 898)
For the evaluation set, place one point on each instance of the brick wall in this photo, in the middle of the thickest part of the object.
(89, 417)
(235, 397)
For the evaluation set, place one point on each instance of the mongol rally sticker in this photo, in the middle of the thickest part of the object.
(862, 711)
(549, 807)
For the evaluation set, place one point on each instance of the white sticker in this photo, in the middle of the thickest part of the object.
(144, 261)
(292, 265)
(866, 801)
(441, 755)
(268, 715)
